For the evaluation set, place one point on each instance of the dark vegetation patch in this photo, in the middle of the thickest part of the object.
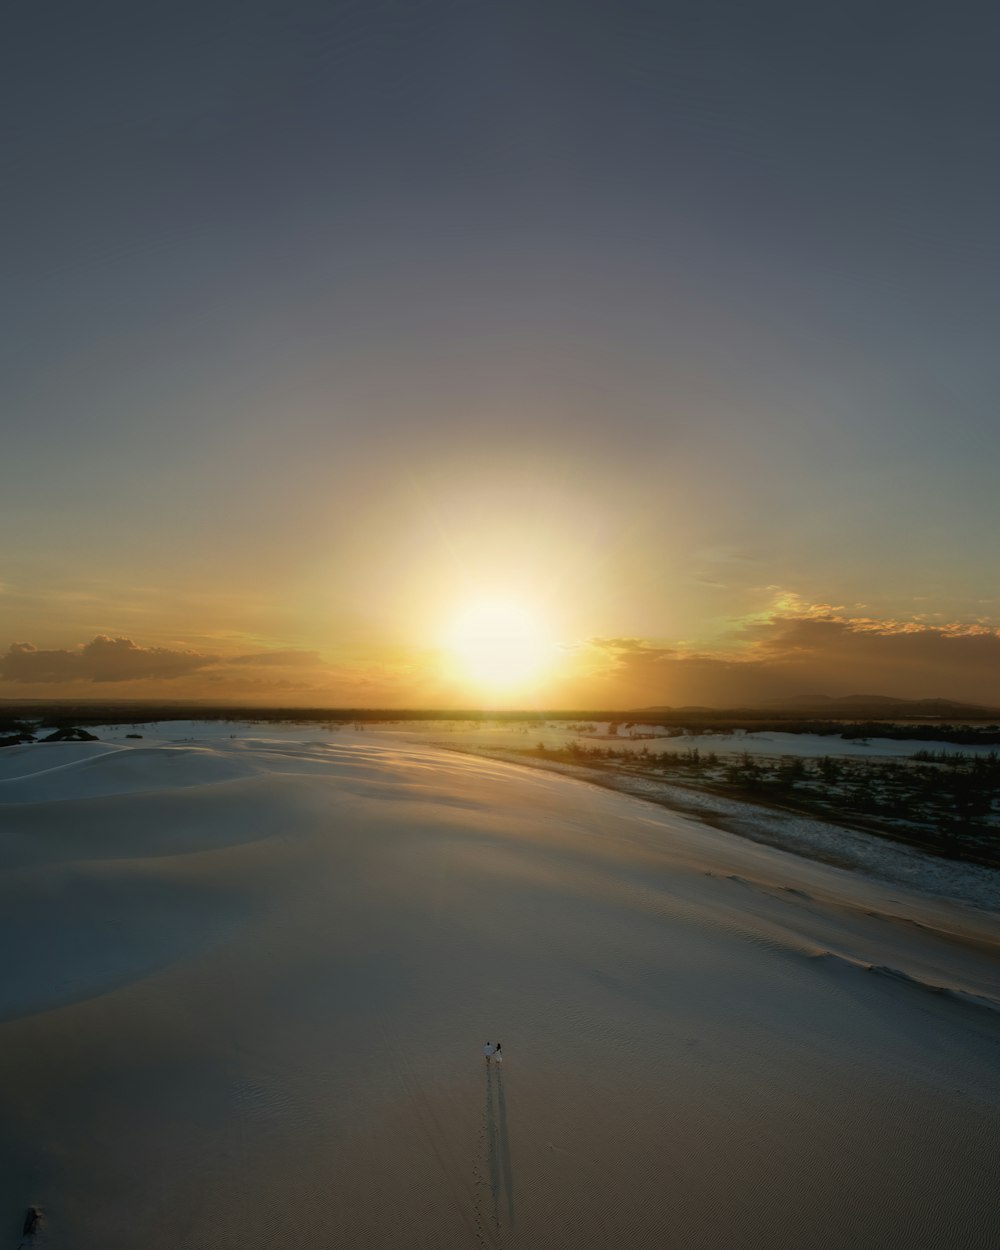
(947, 803)
(28, 716)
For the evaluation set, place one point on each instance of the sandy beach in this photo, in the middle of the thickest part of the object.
(247, 982)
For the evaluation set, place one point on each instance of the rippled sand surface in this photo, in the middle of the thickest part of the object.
(246, 985)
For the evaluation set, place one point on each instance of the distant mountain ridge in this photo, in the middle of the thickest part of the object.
(827, 707)
(879, 703)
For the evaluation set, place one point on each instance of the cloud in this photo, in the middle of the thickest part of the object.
(103, 659)
(906, 658)
(794, 648)
(144, 672)
(618, 649)
(291, 658)
(808, 650)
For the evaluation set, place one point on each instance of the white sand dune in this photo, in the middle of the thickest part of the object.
(42, 757)
(246, 984)
(122, 772)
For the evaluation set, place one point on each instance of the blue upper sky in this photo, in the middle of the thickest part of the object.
(680, 307)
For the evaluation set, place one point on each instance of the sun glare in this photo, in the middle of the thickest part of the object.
(498, 646)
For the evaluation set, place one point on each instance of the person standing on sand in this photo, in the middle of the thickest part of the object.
(498, 1055)
(488, 1050)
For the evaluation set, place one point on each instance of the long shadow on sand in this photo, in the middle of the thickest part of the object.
(492, 1157)
(503, 1144)
(501, 1176)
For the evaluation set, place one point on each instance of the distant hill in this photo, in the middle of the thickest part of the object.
(827, 707)
(882, 705)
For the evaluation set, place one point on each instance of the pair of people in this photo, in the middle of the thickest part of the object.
(492, 1050)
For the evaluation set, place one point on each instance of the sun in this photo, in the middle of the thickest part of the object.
(498, 646)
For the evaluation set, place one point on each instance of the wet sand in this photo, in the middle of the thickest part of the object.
(248, 983)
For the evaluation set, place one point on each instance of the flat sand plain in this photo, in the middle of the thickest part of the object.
(246, 983)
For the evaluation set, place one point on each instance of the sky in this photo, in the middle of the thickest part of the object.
(468, 353)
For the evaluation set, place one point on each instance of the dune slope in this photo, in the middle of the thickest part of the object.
(246, 986)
